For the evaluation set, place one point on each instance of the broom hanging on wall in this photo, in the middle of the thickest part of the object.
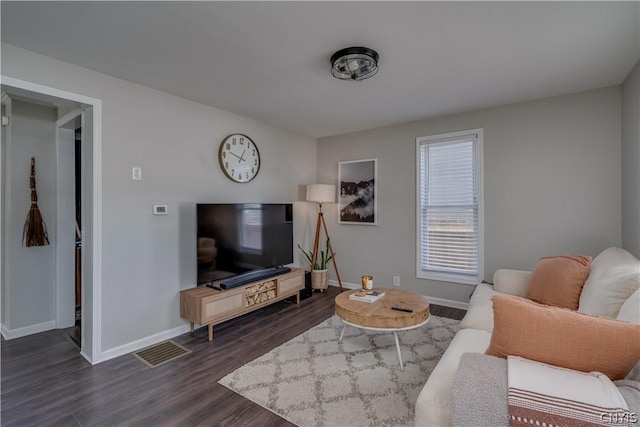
(35, 230)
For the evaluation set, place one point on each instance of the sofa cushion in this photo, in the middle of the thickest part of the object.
(614, 276)
(512, 282)
(563, 337)
(558, 280)
(630, 310)
(548, 395)
(433, 407)
(480, 388)
(480, 311)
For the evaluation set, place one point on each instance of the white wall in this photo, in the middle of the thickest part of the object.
(551, 179)
(30, 279)
(148, 259)
(631, 162)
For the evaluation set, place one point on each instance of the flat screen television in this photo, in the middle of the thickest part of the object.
(238, 238)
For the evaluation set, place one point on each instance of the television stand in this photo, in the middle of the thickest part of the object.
(206, 306)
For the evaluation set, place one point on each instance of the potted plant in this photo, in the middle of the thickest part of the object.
(319, 276)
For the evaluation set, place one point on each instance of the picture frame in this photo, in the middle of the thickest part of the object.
(357, 192)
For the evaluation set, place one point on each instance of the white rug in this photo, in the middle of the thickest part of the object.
(313, 380)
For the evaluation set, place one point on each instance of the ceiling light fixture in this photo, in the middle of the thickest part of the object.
(354, 63)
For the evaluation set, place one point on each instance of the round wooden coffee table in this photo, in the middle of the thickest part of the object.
(379, 316)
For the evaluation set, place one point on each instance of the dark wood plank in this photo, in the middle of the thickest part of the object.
(38, 358)
(124, 391)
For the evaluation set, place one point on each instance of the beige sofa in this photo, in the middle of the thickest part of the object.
(612, 290)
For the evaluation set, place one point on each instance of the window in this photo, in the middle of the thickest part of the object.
(449, 207)
(251, 228)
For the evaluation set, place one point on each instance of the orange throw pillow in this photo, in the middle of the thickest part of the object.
(558, 280)
(564, 338)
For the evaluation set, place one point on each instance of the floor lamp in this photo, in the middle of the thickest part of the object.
(322, 193)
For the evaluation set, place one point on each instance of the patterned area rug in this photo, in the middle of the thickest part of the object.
(313, 380)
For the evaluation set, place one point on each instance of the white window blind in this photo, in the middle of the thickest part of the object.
(251, 227)
(449, 207)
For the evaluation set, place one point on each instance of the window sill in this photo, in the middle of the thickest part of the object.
(453, 278)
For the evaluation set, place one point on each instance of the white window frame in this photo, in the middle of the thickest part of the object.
(443, 276)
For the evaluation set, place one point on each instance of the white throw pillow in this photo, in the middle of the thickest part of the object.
(613, 277)
(630, 310)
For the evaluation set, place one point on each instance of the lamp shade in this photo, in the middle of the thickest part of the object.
(321, 193)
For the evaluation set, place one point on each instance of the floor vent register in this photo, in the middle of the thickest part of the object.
(160, 354)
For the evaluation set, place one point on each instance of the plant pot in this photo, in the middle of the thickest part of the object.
(319, 279)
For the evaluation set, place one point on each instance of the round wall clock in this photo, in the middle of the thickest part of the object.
(239, 158)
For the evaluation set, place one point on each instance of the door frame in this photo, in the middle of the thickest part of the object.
(92, 242)
(65, 218)
(5, 150)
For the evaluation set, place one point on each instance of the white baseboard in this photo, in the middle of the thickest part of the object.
(345, 285)
(10, 334)
(142, 343)
(434, 300)
(87, 358)
(448, 303)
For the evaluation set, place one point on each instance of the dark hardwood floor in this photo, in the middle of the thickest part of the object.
(45, 382)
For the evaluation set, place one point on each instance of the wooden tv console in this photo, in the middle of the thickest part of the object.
(207, 306)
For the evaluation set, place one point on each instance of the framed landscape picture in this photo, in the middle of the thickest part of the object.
(358, 200)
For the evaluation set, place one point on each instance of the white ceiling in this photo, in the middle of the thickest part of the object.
(270, 60)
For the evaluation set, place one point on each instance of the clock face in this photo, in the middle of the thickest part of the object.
(239, 158)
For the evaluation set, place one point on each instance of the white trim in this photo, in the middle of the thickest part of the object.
(46, 90)
(65, 220)
(434, 300)
(452, 277)
(87, 357)
(97, 232)
(10, 334)
(449, 277)
(448, 303)
(71, 115)
(345, 285)
(4, 218)
(95, 329)
(5, 99)
(143, 342)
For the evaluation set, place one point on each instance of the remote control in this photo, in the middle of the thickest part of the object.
(406, 310)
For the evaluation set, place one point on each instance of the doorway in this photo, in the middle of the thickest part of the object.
(88, 112)
(69, 225)
(78, 212)
(75, 332)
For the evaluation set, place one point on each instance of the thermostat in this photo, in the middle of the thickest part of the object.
(159, 209)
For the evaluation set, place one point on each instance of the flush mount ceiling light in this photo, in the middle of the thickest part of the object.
(354, 63)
